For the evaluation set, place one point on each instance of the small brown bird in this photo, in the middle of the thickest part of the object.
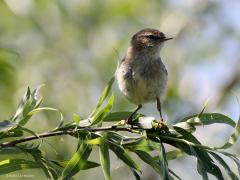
(141, 75)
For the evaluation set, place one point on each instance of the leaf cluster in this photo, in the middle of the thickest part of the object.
(147, 140)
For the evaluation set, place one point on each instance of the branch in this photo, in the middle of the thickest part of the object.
(68, 132)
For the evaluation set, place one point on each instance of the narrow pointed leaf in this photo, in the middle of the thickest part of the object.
(231, 174)
(77, 161)
(10, 150)
(89, 165)
(135, 173)
(104, 158)
(147, 158)
(21, 105)
(236, 161)
(205, 162)
(122, 154)
(37, 155)
(37, 110)
(140, 144)
(201, 170)
(233, 138)
(86, 164)
(94, 141)
(174, 154)
(11, 165)
(164, 163)
(209, 118)
(117, 116)
(103, 96)
(76, 118)
(174, 174)
(12, 133)
(103, 112)
(7, 125)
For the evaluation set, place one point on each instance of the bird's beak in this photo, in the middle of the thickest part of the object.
(166, 39)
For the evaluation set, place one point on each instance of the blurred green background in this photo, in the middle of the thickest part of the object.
(73, 46)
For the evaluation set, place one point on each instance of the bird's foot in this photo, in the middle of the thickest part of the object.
(130, 121)
(163, 128)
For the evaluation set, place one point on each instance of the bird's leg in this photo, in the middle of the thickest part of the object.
(130, 118)
(159, 108)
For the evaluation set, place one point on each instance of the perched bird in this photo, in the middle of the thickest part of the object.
(141, 75)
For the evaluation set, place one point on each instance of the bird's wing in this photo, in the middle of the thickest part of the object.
(165, 69)
(120, 62)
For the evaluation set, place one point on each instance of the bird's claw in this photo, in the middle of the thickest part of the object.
(130, 121)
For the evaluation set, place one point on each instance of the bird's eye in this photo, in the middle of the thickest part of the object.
(151, 37)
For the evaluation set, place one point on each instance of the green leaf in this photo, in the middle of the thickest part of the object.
(122, 154)
(11, 165)
(103, 96)
(174, 174)
(11, 133)
(140, 144)
(205, 119)
(50, 171)
(24, 120)
(210, 167)
(37, 110)
(99, 116)
(28, 106)
(10, 150)
(205, 162)
(235, 159)
(189, 125)
(28, 130)
(186, 135)
(116, 137)
(104, 158)
(174, 154)
(53, 172)
(233, 138)
(6, 125)
(231, 174)
(89, 165)
(77, 119)
(163, 162)
(42, 162)
(117, 116)
(94, 141)
(201, 170)
(28, 103)
(204, 107)
(147, 158)
(21, 105)
(34, 95)
(135, 173)
(77, 161)
(86, 165)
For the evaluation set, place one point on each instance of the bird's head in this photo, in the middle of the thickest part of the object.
(148, 39)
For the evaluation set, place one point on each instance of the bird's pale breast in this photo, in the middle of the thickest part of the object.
(142, 80)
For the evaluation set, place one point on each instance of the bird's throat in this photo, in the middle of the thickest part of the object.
(147, 54)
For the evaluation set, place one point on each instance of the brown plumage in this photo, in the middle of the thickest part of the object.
(141, 75)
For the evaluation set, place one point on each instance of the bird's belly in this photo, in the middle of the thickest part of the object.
(145, 91)
(141, 90)
(142, 83)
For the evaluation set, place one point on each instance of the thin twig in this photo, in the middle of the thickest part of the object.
(67, 132)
